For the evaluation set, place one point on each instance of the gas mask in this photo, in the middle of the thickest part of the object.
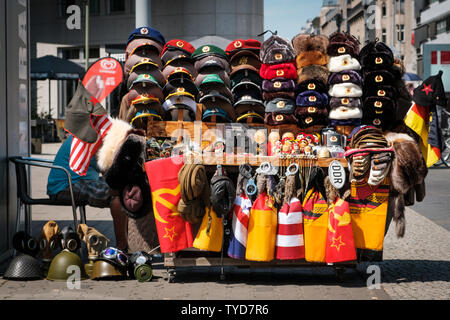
(141, 266)
(68, 239)
(95, 241)
(24, 243)
(48, 240)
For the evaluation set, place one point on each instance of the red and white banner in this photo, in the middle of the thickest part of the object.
(81, 152)
(103, 77)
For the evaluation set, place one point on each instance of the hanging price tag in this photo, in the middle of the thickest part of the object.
(336, 172)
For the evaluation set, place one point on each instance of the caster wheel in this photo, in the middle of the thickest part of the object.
(339, 274)
(171, 276)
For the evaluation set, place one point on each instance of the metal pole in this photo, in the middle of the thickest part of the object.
(393, 24)
(143, 13)
(86, 38)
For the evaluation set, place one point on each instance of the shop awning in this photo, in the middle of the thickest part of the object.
(51, 67)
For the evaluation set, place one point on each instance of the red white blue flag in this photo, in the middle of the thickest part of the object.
(241, 213)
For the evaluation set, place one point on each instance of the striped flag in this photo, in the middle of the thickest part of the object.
(418, 119)
(81, 152)
(239, 227)
(290, 244)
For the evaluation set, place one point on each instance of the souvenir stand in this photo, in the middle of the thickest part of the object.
(192, 257)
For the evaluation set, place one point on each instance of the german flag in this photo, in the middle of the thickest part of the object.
(421, 121)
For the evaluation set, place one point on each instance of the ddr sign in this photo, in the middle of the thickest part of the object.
(336, 173)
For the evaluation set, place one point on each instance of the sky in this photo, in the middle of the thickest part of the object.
(289, 16)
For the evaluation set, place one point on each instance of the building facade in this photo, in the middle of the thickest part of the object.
(390, 21)
(197, 21)
(432, 38)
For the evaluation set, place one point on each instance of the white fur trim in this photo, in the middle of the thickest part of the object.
(392, 137)
(111, 142)
(345, 90)
(343, 62)
(344, 113)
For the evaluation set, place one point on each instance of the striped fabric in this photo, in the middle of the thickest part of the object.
(81, 152)
(239, 227)
(289, 243)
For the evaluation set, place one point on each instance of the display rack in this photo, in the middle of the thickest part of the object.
(192, 257)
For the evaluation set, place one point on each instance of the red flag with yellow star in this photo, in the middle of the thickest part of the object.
(340, 245)
(174, 232)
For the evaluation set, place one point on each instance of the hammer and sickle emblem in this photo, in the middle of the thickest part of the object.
(157, 197)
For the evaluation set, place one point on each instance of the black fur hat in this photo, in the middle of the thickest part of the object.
(375, 56)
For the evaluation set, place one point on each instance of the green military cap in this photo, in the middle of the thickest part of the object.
(208, 50)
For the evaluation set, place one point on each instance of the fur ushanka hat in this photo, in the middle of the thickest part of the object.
(278, 71)
(342, 63)
(312, 84)
(313, 72)
(378, 77)
(381, 103)
(307, 42)
(342, 43)
(376, 56)
(342, 90)
(347, 76)
(276, 50)
(346, 102)
(278, 85)
(307, 58)
(312, 98)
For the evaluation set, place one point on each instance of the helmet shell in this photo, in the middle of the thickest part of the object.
(58, 270)
(105, 270)
(24, 267)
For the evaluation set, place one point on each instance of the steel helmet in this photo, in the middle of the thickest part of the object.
(24, 267)
(59, 267)
(104, 270)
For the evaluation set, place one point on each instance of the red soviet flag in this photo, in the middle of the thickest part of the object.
(174, 232)
(340, 245)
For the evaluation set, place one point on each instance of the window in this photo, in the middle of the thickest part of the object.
(441, 26)
(400, 6)
(383, 35)
(70, 53)
(94, 7)
(401, 32)
(116, 6)
(383, 10)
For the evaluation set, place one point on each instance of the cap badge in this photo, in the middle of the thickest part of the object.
(345, 62)
(312, 98)
(378, 111)
(378, 60)
(311, 86)
(180, 44)
(377, 122)
(237, 44)
(278, 56)
(280, 73)
(146, 76)
(341, 50)
(348, 90)
(144, 31)
(281, 104)
(345, 101)
(206, 49)
(378, 104)
(277, 84)
(309, 120)
(243, 60)
(279, 117)
(345, 77)
(381, 93)
(379, 78)
(333, 139)
(181, 89)
(312, 110)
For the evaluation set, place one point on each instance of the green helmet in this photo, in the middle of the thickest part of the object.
(64, 264)
(104, 270)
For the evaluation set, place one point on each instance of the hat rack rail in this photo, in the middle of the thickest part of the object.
(167, 129)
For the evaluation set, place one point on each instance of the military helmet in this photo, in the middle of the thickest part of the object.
(59, 267)
(105, 270)
(24, 267)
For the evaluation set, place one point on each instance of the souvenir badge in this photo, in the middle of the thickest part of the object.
(377, 122)
(180, 44)
(281, 104)
(379, 78)
(309, 120)
(144, 31)
(279, 117)
(280, 73)
(311, 86)
(237, 44)
(378, 60)
(381, 93)
(312, 110)
(277, 84)
(345, 77)
(312, 98)
(341, 50)
(378, 104)
(206, 49)
(345, 101)
(278, 56)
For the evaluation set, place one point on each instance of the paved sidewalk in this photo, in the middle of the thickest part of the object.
(415, 267)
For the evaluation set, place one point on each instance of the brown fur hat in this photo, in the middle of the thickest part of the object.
(313, 72)
(307, 42)
(307, 58)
